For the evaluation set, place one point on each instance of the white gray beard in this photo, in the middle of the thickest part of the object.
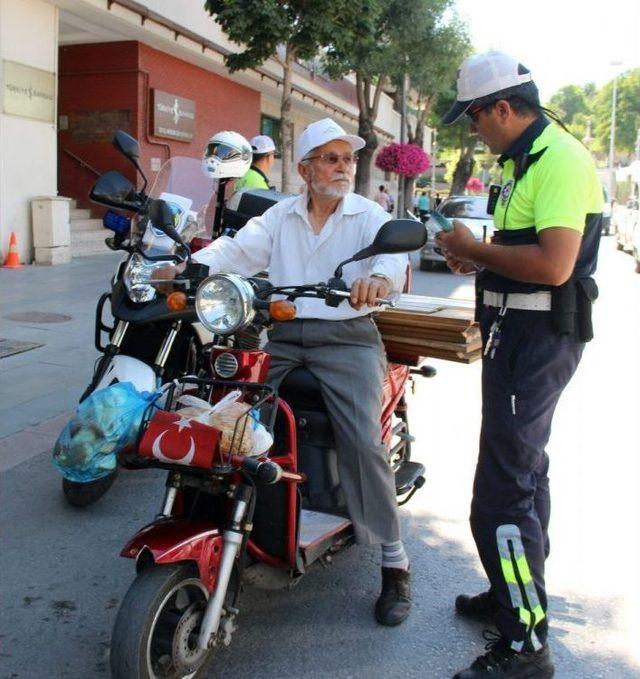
(332, 190)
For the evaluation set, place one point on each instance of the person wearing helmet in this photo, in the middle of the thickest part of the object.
(534, 295)
(226, 154)
(264, 156)
(301, 240)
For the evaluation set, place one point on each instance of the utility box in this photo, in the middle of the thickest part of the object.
(51, 230)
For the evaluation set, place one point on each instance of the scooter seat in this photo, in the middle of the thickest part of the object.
(301, 390)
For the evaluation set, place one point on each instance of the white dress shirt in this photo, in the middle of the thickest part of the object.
(282, 241)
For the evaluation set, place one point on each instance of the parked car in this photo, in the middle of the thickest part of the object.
(636, 245)
(472, 211)
(627, 227)
(626, 219)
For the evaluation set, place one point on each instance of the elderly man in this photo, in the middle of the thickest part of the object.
(302, 240)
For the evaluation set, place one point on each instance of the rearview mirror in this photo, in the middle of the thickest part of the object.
(127, 145)
(161, 214)
(163, 218)
(397, 235)
(114, 190)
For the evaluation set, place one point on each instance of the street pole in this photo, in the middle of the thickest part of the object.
(434, 147)
(403, 137)
(612, 135)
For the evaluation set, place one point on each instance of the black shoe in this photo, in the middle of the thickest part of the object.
(502, 662)
(481, 607)
(394, 603)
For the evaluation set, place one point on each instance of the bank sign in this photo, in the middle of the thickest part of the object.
(28, 92)
(173, 117)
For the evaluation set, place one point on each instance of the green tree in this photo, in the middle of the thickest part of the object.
(302, 28)
(627, 112)
(568, 101)
(400, 41)
(458, 137)
(574, 104)
(431, 76)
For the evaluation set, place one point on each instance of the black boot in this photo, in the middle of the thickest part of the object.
(502, 662)
(481, 607)
(394, 603)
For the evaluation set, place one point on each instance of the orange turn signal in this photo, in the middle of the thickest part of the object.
(282, 310)
(177, 301)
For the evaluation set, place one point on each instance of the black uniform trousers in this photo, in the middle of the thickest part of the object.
(510, 509)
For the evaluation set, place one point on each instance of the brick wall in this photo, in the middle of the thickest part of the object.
(107, 85)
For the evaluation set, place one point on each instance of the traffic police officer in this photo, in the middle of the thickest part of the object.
(534, 294)
(264, 156)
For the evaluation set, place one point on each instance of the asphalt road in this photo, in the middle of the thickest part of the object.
(62, 579)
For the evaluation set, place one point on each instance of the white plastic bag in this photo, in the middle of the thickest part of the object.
(251, 437)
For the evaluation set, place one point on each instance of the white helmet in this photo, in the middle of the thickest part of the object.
(227, 154)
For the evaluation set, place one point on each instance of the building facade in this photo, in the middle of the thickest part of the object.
(74, 71)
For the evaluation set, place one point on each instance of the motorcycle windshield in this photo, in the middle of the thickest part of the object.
(190, 193)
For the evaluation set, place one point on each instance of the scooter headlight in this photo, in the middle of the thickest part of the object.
(136, 275)
(224, 303)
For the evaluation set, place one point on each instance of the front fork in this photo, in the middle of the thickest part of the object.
(234, 536)
(111, 350)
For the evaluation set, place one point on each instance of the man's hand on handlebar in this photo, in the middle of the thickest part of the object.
(167, 273)
(366, 291)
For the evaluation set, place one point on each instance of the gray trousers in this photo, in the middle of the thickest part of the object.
(348, 360)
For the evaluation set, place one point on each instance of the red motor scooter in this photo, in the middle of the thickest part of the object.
(229, 518)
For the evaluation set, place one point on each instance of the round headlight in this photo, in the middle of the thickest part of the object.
(224, 303)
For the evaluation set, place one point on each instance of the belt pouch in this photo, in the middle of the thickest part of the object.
(587, 293)
(563, 308)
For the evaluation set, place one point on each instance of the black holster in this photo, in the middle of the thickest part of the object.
(571, 306)
(564, 308)
(587, 293)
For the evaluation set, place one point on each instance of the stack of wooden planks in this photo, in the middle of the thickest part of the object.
(437, 327)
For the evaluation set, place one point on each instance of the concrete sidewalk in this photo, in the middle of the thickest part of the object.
(53, 307)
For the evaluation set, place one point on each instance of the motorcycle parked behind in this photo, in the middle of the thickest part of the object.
(229, 517)
(147, 342)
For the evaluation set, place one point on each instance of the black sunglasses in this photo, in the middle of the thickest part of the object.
(473, 112)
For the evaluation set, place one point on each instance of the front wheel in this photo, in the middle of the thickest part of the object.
(155, 635)
(84, 494)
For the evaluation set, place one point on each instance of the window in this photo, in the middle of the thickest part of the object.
(272, 127)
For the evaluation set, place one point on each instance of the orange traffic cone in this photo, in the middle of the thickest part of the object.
(13, 260)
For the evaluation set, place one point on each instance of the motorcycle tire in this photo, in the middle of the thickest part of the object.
(85, 494)
(146, 642)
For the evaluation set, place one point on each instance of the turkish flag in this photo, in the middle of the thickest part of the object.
(173, 438)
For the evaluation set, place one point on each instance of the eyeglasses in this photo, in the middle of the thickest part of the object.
(335, 158)
(474, 113)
